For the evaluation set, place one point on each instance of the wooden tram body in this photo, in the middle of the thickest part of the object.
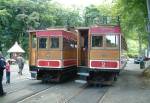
(99, 53)
(53, 55)
(57, 54)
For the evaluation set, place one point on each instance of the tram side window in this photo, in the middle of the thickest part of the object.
(42, 43)
(34, 41)
(97, 41)
(72, 44)
(111, 41)
(68, 44)
(54, 42)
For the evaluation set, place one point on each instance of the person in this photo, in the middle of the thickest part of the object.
(2, 67)
(8, 71)
(20, 62)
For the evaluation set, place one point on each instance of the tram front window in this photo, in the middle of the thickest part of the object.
(111, 41)
(42, 43)
(97, 41)
(54, 42)
(34, 41)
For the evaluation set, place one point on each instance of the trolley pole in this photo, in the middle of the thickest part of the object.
(148, 26)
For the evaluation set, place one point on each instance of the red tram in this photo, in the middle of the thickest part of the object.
(57, 54)
(99, 56)
(53, 54)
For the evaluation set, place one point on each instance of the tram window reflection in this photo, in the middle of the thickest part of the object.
(34, 41)
(111, 40)
(42, 43)
(54, 42)
(97, 41)
(68, 44)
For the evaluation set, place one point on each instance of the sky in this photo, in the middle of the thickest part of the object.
(83, 3)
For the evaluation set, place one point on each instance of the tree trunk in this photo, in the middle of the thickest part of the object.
(140, 43)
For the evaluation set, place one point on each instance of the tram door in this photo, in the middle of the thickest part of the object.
(33, 49)
(83, 47)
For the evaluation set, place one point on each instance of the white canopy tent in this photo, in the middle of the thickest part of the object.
(16, 49)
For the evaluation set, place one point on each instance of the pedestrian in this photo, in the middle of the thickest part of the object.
(20, 62)
(2, 67)
(8, 71)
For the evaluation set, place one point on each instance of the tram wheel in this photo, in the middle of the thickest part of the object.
(115, 78)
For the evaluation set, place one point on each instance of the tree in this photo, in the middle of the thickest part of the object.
(18, 16)
(133, 17)
(97, 15)
(4, 21)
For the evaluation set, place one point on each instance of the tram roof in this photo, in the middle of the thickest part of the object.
(113, 29)
(106, 29)
(54, 32)
(103, 29)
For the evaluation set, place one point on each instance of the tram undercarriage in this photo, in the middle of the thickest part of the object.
(56, 75)
(97, 77)
(102, 78)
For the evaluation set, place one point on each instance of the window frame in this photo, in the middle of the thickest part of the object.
(32, 41)
(116, 47)
(46, 43)
(102, 41)
(59, 40)
(69, 42)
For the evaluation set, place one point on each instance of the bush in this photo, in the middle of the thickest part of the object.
(146, 72)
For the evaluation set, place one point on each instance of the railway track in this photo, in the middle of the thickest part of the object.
(34, 94)
(76, 94)
(101, 98)
(19, 91)
(14, 87)
(79, 92)
(61, 98)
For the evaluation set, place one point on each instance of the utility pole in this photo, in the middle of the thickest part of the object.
(148, 8)
(148, 26)
(0, 46)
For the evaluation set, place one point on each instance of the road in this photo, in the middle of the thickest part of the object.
(131, 87)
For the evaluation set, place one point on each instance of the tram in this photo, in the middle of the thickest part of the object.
(52, 54)
(94, 53)
(99, 52)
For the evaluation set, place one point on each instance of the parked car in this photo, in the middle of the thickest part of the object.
(139, 59)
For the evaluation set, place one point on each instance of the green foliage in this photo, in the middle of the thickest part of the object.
(99, 15)
(18, 16)
(133, 17)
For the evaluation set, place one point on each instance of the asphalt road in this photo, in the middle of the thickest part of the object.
(131, 87)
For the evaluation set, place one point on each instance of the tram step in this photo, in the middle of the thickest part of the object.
(83, 74)
(82, 77)
(83, 69)
(81, 81)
